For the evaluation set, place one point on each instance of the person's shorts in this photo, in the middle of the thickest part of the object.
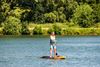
(52, 47)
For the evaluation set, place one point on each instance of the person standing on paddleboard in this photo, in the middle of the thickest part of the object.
(52, 44)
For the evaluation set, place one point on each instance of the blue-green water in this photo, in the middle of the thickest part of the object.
(25, 51)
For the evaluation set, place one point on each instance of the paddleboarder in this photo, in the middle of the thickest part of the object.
(53, 44)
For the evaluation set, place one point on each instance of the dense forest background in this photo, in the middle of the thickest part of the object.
(15, 15)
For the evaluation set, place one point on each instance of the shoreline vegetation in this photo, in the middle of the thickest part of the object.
(41, 17)
(58, 28)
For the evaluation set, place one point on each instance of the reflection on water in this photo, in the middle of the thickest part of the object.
(25, 51)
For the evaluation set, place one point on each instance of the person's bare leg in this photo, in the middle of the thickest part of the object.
(55, 52)
(50, 52)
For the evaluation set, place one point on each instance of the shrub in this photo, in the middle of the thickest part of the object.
(37, 30)
(50, 30)
(45, 31)
(97, 31)
(55, 28)
(82, 31)
(70, 31)
(1, 31)
(25, 30)
(12, 26)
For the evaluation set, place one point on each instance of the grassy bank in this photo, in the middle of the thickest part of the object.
(64, 29)
(58, 28)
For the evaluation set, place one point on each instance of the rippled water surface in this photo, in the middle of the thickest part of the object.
(25, 51)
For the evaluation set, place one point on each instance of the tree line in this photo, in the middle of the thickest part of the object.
(15, 13)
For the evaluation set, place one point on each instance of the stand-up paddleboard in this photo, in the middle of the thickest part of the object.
(57, 57)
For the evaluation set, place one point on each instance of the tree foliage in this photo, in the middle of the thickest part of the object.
(12, 26)
(97, 12)
(84, 13)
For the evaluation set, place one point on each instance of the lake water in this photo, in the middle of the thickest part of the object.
(25, 51)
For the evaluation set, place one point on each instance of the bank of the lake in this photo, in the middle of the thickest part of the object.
(46, 29)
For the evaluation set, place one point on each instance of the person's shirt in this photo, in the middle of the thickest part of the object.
(52, 37)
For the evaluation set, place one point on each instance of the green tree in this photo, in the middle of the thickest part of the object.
(83, 15)
(12, 26)
(4, 11)
(61, 15)
(17, 12)
(70, 8)
(55, 16)
(96, 11)
(50, 17)
(86, 1)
